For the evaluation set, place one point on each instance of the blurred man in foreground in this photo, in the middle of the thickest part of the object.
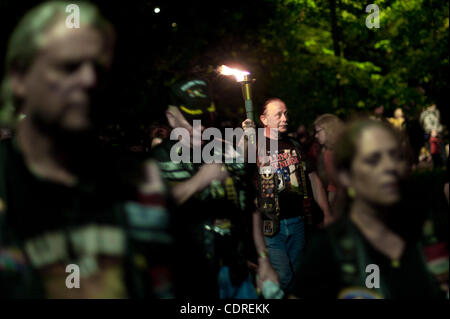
(68, 225)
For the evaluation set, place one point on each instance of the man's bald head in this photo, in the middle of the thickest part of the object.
(274, 115)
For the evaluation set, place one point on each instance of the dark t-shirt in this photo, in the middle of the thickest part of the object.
(286, 160)
(335, 264)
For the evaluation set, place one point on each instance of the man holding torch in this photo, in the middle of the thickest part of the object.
(285, 184)
(285, 197)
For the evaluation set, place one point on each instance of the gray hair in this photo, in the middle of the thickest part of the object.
(27, 39)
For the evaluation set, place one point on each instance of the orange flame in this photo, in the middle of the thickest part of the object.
(238, 74)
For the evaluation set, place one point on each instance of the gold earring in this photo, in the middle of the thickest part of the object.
(351, 192)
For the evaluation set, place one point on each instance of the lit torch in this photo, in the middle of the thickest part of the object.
(243, 78)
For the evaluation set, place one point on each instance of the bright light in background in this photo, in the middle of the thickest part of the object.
(238, 74)
(174, 25)
(157, 10)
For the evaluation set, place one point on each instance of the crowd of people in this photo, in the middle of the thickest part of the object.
(343, 210)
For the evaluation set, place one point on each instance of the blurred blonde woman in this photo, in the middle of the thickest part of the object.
(327, 127)
(377, 249)
(398, 121)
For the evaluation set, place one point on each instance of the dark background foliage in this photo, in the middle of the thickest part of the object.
(318, 56)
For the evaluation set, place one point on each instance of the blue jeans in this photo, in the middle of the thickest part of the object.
(286, 249)
(246, 290)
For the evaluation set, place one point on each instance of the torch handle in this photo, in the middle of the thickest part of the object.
(246, 92)
(249, 109)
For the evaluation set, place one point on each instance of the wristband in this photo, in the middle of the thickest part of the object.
(263, 254)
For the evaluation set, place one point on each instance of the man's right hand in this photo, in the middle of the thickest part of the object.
(265, 272)
(248, 124)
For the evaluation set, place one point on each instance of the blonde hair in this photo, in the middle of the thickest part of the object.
(332, 125)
